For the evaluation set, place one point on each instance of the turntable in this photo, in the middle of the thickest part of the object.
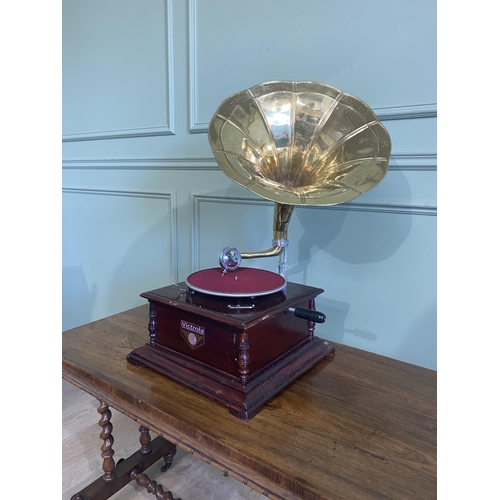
(239, 335)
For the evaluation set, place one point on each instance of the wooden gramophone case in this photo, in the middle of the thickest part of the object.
(222, 349)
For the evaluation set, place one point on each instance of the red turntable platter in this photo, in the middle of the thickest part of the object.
(243, 282)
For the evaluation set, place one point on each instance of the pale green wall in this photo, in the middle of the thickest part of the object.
(145, 204)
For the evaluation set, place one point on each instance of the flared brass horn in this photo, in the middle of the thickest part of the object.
(298, 143)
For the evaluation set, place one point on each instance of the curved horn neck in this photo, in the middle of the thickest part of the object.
(282, 216)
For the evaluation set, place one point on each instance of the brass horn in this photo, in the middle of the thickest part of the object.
(297, 143)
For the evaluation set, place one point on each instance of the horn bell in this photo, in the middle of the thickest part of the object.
(300, 143)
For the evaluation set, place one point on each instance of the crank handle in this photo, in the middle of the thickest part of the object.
(309, 314)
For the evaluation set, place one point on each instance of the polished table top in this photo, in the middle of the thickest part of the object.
(358, 426)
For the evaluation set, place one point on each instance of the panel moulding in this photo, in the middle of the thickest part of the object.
(413, 162)
(169, 196)
(407, 112)
(169, 127)
(201, 164)
(383, 114)
(398, 161)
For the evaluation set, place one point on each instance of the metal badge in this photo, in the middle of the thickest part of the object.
(194, 335)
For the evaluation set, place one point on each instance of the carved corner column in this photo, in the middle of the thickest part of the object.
(243, 358)
(311, 324)
(152, 324)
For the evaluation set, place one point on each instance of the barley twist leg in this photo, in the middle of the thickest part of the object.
(151, 486)
(108, 463)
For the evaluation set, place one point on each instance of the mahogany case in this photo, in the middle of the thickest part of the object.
(238, 352)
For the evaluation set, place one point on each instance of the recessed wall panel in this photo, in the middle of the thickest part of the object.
(115, 69)
(116, 245)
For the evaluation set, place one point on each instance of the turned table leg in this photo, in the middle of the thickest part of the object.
(169, 457)
(108, 463)
(151, 486)
(145, 440)
(116, 476)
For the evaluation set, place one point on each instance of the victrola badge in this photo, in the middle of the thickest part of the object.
(295, 144)
(194, 335)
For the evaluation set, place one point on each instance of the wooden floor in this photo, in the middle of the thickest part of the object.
(188, 478)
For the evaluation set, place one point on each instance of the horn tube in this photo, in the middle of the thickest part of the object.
(282, 216)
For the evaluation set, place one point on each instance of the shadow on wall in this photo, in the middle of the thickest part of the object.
(336, 313)
(78, 299)
(352, 252)
(365, 238)
(146, 265)
(420, 340)
(120, 264)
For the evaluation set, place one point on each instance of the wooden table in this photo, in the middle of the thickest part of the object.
(358, 426)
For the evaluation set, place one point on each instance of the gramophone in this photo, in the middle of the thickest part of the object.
(239, 335)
